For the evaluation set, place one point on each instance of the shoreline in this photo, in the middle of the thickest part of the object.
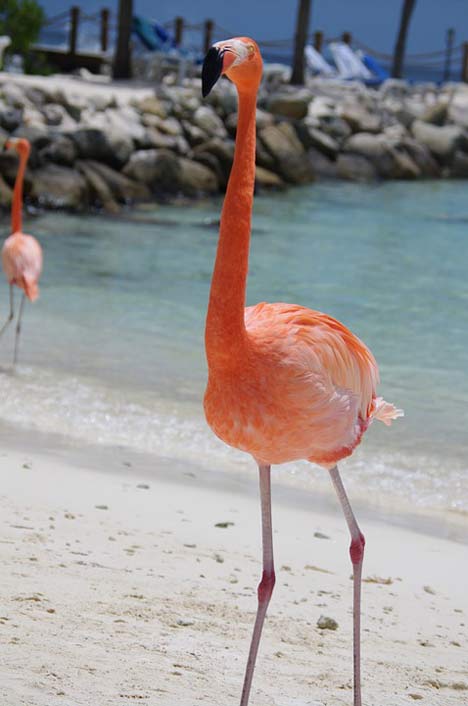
(119, 586)
(449, 525)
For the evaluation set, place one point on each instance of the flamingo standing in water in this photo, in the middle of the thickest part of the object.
(21, 253)
(285, 382)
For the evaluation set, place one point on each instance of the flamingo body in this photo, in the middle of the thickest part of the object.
(21, 253)
(22, 263)
(304, 388)
(284, 382)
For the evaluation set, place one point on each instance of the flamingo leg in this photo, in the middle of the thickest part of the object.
(265, 587)
(18, 329)
(356, 551)
(12, 311)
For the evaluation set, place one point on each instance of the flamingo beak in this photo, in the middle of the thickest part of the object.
(212, 69)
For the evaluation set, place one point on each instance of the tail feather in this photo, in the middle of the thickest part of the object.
(31, 289)
(385, 411)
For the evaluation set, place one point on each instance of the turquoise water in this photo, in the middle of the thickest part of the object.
(113, 350)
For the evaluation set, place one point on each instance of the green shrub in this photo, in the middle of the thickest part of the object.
(21, 20)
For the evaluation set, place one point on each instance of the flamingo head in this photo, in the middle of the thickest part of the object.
(20, 144)
(239, 58)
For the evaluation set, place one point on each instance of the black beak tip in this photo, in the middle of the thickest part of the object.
(211, 70)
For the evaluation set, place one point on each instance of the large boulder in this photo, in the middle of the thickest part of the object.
(158, 169)
(62, 150)
(360, 120)
(290, 157)
(6, 194)
(109, 146)
(124, 189)
(195, 178)
(223, 150)
(312, 137)
(355, 167)
(59, 187)
(322, 166)
(442, 141)
(422, 157)
(152, 105)
(267, 180)
(100, 194)
(10, 118)
(389, 161)
(207, 120)
(459, 165)
(289, 105)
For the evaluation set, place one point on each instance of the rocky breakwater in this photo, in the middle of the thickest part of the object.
(106, 148)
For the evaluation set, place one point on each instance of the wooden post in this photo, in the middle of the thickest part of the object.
(74, 22)
(400, 44)
(300, 38)
(347, 38)
(178, 30)
(448, 53)
(318, 41)
(105, 28)
(208, 40)
(464, 73)
(122, 66)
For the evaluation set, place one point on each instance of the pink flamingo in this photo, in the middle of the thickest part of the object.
(21, 253)
(284, 382)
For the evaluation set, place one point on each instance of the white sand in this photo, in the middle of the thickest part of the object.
(117, 594)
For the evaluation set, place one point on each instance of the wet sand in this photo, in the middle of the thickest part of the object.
(118, 587)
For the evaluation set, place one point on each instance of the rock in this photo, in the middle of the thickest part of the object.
(55, 115)
(335, 126)
(422, 157)
(459, 165)
(9, 168)
(207, 120)
(212, 162)
(436, 114)
(283, 144)
(6, 194)
(311, 137)
(10, 118)
(154, 138)
(36, 95)
(323, 167)
(14, 96)
(458, 106)
(263, 158)
(289, 105)
(360, 120)
(158, 169)
(38, 135)
(59, 187)
(223, 150)
(355, 167)
(124, 189)
(100, 193)
(194, 134)
(265, 178)
(403, 166)
(442, 141)
(326, 623)
(152, 105)
(195, 178)
(61, 150)
(390, 162)
(110, 146)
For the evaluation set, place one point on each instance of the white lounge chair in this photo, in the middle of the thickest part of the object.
(349, 65)
(316, 63)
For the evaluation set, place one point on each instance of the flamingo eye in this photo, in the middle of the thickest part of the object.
(250, 50)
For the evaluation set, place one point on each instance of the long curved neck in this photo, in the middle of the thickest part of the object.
(225, 334)
(17, 204)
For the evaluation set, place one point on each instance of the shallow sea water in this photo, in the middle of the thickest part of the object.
(112, 352)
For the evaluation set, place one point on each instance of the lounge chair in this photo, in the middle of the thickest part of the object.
(317, 64)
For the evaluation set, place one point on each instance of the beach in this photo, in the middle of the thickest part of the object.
(123, 579)
(126, 581)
